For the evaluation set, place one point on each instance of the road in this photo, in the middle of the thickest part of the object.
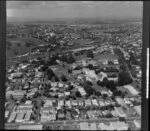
(68, 122)
(122, 50)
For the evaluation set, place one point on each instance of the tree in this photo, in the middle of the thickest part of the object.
(78, 94)
(111, 85)
(18, 44)
(15, 52)
(90, 54)
(117, 93)
(56, 79)
(109, 115)
(23, 99)
(33, 117)
(105, 81)
(11, 97)
(52, 60)
(70, 87)
(25, 61)
(77, 54)
(90, 66)
(39, 58)
(123, 67)
(63, 78)
(110, 63)
(89, 90)
(70, 71)
(122, 119)
(89, 82)
(29, 84)
(78, 67)
(56, 96)
(28, 44)
(105, 96)
(42, 103)
(70, 59)
(124, 78)
(50, 73)
(99, 83)
(98, 94)
(44, 68)
(63, 58)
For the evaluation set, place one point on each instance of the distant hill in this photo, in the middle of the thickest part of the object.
(76, 20)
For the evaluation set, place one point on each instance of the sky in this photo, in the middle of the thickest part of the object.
(47, 10)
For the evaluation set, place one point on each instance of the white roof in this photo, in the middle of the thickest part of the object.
(25, 106)
(131, 89)
(101, 103)
(27, 116)
(120, 101)
(16, 92)
(84, 126)
(93, 126)
(67, 93)
(137, 123)
(28, 102)
(120, 111)
(82, 91)
(20, 116)
(88, 102)
(90, 73)
(102, 126)
(138, 109)
(6, 113)
(94, 102)
(68, 103)
(61, 102)
(102, 75)
(119, 125)
(74, 102)
(48, 103)
(60, 84)
(12, 116)
(30, 127)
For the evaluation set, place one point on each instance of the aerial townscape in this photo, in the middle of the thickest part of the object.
(78, 75)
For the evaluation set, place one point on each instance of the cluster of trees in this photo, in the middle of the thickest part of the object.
(77, 94)
(65, 58)
(29, 44)
(46, 90)
(110, 63)
(90, 54)
(8, 45)
(124, 78)
(37, 62)
(51, 75)
(111, 85)
(36, 94)
(63, 78)
(18, 44)
(88, 88)
(91, 67)
(16, 52)
(52, 60)
(69, 71)
(110, 69)
(103, 83)
(40, 61)
(133, 59)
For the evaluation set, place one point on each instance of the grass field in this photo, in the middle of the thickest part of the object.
(21, 46)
